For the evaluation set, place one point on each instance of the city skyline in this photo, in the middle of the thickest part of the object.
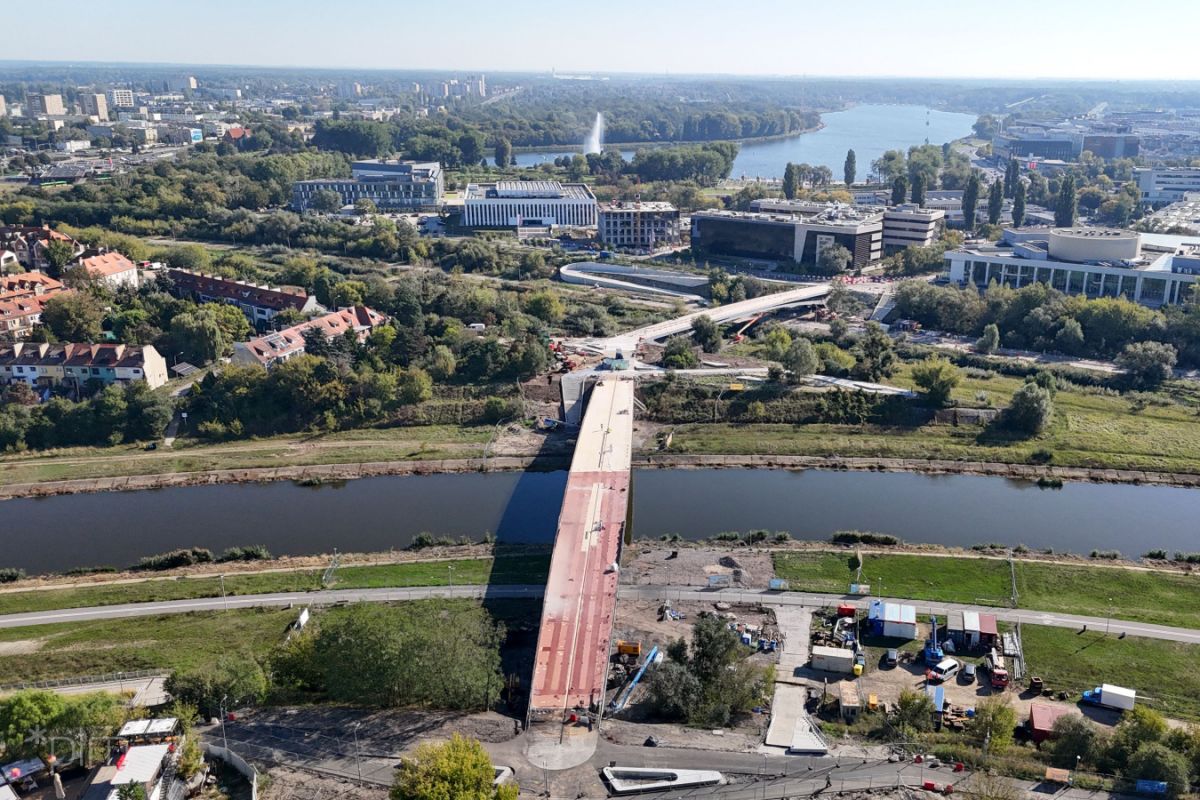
(1054, 41)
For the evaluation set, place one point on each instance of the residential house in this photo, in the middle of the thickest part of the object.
(22, 298)
(111, 268)
(29, 243)
(45, 365)
(266, 351)
(259, 302)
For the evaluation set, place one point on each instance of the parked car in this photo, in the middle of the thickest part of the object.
(891, 658)
(968, 674)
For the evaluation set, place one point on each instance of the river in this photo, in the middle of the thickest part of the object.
(376, 514)
(867, 129)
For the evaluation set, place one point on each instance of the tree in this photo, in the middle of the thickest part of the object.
(1075, 739)
(776, 342)
(27, 711)
(800, 360)
(1018, 209)
(1065, 207)
(1155, 762)
(235, 681)
(413, 386)
(442, 363)
(131, 791)
(707, 334)
(1012, 177)
(1147, 364)
(993, 724)
(914, 712)
(995, 203)
(546, 306)
(459, 769)
(73, 317)
(1139, 726)
(850, 167)
(936, 377)
(791, 181)
(58, 254)
(326, 201)
(899, 189)
(1069, 338)
(674, 691)
(198, 336)
(875, 353)
(970, 201)
(504, 153)
(365, 207)
(989, 342)
(918, 189)
(834, 259)
(1030, 410)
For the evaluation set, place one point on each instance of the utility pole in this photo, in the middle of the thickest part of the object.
(224, 738)
(224, 599)
(450, 576)
(357, 752)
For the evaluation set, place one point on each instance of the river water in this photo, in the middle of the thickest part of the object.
(376, 514)
(867, 129)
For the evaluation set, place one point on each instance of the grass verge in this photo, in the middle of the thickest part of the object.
(523, 569)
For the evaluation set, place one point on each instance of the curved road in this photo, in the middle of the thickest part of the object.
(645, 593)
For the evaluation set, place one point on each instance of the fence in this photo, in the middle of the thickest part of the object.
(237, 762)
(111, 677)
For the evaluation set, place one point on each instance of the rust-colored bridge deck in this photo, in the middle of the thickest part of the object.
(581, 590)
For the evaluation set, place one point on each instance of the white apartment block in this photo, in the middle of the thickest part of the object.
(513, 204)
(1166, 184)
(909, 224)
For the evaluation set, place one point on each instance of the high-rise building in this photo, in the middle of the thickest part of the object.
(94, 105)
(642, 225)
(184, 83)
(121, 98)
(349, 89)
(50, 105)
(3, 107)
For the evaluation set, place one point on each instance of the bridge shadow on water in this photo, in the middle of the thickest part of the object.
(524, 539)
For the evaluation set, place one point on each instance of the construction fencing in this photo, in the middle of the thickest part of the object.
(237, 762)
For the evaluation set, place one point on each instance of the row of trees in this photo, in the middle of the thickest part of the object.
(115, 414)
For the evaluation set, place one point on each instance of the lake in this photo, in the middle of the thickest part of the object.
(868, 129)
(377, 514)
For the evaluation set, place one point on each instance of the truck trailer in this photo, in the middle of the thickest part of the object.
(1109, 696)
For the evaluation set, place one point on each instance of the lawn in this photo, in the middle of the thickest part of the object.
(1165, 598)
(954, 580)
(347, 447)
(1089, 430)
(123, 645)
(1162, 672)
(524, 569)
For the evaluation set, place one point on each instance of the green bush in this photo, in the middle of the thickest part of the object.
(174, 559)
(865, 537)
(11, 574)
(254, 552)
(1109, 555)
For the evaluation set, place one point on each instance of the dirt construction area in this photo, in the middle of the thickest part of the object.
(663, 565)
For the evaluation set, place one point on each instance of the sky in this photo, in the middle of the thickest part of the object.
(1076, 39)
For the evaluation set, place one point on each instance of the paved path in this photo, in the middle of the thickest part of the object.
(650, 593)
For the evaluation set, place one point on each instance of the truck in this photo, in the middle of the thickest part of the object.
(997, 674)
(1108, 696)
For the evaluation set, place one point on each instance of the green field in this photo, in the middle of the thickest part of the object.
(1092, 430)
(523, 569)
(432, 442)
(123, 645)
(1162, 672)
(1165, 598)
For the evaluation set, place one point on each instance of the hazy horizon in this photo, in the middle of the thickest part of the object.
(1070, 40)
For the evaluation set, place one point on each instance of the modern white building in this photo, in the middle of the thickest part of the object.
(391, 185)
(1166, 184)
(644, 226)
(1095, 262)
(512, 204)
(909, 224)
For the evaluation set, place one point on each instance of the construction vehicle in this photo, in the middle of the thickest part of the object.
(629, 648)
(997, 674)
(1109, 696)
(932, 654)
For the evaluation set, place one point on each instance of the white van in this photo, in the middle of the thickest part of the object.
(945, 669)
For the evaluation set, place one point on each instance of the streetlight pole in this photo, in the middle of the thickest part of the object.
(357, 752)
(450, 576)
(1108, 620)
(224, 599)
(224, 738)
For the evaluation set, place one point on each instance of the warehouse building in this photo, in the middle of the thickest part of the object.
(514, 204)
(970, 630)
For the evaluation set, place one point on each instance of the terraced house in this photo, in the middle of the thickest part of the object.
(259, 302)
(46, 366)
(22, 299)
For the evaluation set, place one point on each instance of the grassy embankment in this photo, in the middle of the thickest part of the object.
(1090, 429)
(1165, 598)
(505, 570)
(180, 641)
(292, 450)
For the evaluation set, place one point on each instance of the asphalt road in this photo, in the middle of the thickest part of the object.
(807, 599)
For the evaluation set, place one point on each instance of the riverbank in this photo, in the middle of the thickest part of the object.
(318, 474)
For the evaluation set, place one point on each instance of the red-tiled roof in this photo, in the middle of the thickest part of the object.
(106, 265)
(275, 298)
(27, 284)
(290, 341)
